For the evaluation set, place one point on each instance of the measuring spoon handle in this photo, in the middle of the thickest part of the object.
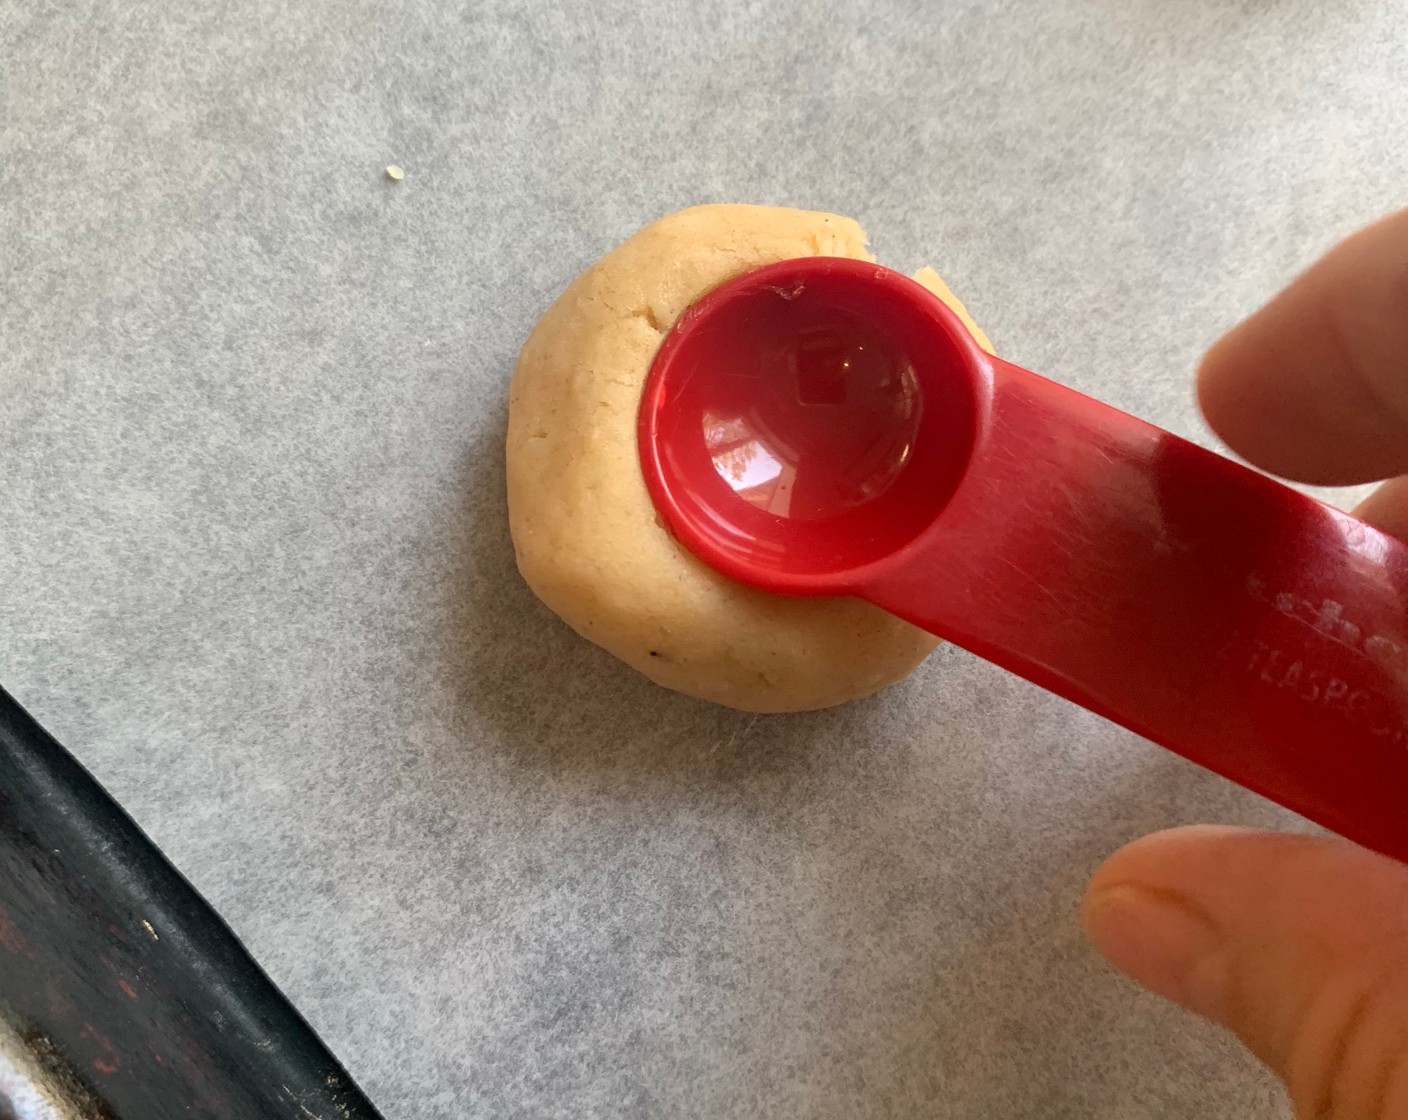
(1229, 618)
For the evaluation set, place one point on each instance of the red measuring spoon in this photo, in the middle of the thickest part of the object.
(826, 426)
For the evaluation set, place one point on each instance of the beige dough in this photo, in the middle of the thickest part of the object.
(588, 539)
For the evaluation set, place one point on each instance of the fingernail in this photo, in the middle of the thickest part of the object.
(1161, 942)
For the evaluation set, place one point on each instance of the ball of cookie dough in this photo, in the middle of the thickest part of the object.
(588, 539)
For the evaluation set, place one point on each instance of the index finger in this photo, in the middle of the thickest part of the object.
(1314, 387)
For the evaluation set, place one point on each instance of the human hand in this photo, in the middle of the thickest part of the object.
(1298, 944)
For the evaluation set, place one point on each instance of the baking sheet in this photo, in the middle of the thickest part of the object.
(254, 569)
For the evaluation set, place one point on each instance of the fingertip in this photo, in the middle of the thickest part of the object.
(1275, 390)
(1213, 383)
(1228, 387)
(1241, 879)
(1160, 942)
(1387, 508)
(1312, 386)
(1147, 860)
(1235, 924)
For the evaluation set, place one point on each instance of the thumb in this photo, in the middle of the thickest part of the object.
(1299, 944)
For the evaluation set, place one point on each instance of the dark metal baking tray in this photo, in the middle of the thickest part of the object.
(123, 995)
